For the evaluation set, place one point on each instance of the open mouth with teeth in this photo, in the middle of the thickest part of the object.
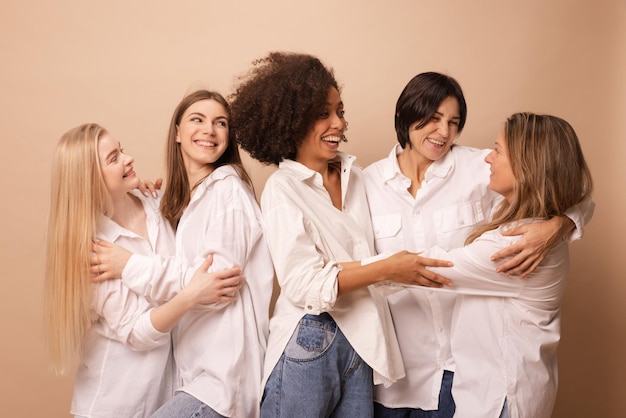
(206, 144)
(436, 142)
(129, 173)
(335, 139)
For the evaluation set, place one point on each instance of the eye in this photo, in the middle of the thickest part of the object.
(323, 115)
(196, 119)
(222, 123)
(454, 122)
(341, 113)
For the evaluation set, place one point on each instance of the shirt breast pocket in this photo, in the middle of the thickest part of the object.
(452, 221)
(387, 232)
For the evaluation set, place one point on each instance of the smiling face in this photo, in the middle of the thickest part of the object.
(433, 140)
(203, 136)
(117, 167)
(322, 141)
(501, 180)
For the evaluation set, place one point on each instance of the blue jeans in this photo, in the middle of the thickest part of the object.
(318, 375)
(446, 408)
(183, 405)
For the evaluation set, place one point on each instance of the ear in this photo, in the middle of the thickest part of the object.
(177, 135)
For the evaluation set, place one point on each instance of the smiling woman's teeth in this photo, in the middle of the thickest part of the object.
(434, 141)
(205, 144)
(334, 139)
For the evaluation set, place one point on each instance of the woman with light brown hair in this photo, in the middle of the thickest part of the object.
(505, 330)
(118, 334)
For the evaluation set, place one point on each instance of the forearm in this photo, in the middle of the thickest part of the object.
(354, 276)
(165, 316)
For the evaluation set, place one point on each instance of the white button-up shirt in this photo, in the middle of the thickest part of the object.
(505, 330)
(219, 351)
(125, 367)
(454, 198)
(308, 239)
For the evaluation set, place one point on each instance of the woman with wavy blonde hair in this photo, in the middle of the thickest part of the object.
(118, 334)
(505, 330)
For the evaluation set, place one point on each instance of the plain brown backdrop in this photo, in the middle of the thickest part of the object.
(126, 64)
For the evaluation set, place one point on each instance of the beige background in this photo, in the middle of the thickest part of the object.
(125, 64)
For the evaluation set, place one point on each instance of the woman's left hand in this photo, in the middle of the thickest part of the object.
(537, 240)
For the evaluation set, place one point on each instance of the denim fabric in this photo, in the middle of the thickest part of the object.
(446, 404)
(318, 375)
(505, 411)
(183, 405)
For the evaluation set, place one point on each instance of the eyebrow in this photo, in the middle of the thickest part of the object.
(441, 114)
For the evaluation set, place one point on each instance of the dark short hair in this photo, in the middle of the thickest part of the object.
(421, 98)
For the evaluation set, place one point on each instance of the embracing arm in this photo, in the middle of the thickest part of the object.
(138, 324)
(154, 277)
(402, 267)
(201, 290)
(538, 238)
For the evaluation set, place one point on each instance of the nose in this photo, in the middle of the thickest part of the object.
(443, 128)
(489, 157)
(339, 122)
(208, 128)
(129, 159)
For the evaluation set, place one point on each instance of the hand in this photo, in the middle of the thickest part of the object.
(410, 268)
(108, 262)
(146, 186)
(208, 288)
(537, 240)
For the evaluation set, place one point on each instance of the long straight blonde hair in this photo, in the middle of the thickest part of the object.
(550, 171)
(78, 197)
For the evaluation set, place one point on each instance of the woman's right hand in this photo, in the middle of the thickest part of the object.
(217, 287)
(410, 268)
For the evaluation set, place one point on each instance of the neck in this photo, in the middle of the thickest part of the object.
(195, 176)
(413, 166)
(125, 209)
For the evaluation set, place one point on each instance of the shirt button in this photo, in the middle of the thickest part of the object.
(309, 307)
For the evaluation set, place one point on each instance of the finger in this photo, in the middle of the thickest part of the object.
(509, 251)
(207, 263)
(228, 273)
(158, 183)
(433, 262)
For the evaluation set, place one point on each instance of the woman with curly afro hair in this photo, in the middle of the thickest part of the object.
(330, 326)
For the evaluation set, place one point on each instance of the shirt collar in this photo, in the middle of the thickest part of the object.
(109, 230)
(303, 173)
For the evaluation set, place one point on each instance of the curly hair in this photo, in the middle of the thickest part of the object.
(277, 102)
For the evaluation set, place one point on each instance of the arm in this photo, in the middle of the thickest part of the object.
(307, 276)
(402, 267)
(538, 238)
(138, 324)
(203, 289)
(155, 277)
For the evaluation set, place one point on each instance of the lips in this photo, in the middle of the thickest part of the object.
(332, 138)
(208, 144)
(436, 142)
(131, 172)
